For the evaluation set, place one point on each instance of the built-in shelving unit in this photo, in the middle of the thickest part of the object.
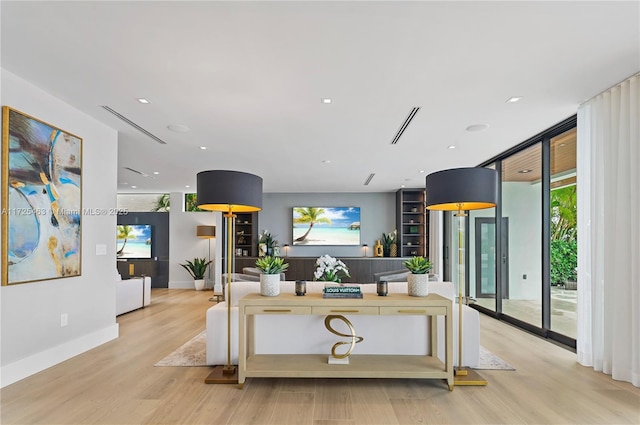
(412, 223)
(246, 234)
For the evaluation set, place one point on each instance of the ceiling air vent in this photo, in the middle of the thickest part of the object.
(136, 171)
(366, 183)
(132, 124)
(405, 124)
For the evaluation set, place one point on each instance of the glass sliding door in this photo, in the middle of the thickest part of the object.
(563, 233)
(483, 252)
(522, 206)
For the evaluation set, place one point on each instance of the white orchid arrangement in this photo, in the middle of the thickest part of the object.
(330, 269)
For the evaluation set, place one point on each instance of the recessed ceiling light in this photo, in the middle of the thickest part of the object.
(514, 99)
(326, 161)
(204, 148)
(178, 128)
(451, 147)
(477, 127)
(143, 100)
(134, 187)
(525, 171)
(326, 100)
(401, 185)
(421, 171)
(187, 186)
(156, 173)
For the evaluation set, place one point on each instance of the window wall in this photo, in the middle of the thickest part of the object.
(521, 255)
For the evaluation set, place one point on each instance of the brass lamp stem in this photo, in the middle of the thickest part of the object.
(461, 273)
(230, 250)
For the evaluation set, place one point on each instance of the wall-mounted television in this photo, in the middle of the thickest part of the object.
(134, 241)
(326, 226)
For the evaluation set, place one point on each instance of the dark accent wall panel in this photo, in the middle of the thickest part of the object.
(158, 267)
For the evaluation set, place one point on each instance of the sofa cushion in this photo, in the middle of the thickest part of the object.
(254, 271)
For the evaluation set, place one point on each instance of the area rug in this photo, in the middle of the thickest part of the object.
(193, 353)
(489, 361)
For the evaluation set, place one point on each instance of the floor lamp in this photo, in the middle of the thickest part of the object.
(228, 192)
(208, 232)
(462, 189)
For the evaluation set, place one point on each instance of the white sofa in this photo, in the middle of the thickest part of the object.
(132, 294)
(303, 334)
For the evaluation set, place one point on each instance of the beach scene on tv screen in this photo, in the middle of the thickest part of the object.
(326, 226)
(134, 241)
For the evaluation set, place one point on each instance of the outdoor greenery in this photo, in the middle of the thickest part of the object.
(564, 260)
(191, 202)
(564, 243)
(163, 203)
(418, 265)
(197, 268)
(271, 265)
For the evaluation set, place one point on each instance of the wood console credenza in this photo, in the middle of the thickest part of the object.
(360, 366)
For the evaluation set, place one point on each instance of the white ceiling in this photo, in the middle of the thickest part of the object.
(248, 77)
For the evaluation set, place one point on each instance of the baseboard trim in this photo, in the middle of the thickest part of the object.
(35, 363)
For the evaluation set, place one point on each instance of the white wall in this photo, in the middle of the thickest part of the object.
(377, 216)
(31, 336)
(184, 245)
(522, 203)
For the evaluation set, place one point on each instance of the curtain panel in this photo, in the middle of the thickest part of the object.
(608, 337)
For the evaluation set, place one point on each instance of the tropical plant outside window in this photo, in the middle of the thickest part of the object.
(163, 203)
(564, 241)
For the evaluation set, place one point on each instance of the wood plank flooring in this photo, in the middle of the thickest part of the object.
(117, 383)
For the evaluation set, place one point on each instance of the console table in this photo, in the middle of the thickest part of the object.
(285, 365)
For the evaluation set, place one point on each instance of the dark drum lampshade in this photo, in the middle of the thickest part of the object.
(224, 190)
(462, 189)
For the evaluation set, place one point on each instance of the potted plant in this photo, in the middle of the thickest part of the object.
(197, 269)
(270, 268)
(389, 240)
(330, 269)
(418, 279)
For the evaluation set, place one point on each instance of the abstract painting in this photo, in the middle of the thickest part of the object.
(41, 200)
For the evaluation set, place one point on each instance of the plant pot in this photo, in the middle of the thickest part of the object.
(418, 285)
(199, 284)
(270, 285)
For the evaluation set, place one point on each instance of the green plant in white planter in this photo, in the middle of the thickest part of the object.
(418, 279)
(271, 267)
(197, 269)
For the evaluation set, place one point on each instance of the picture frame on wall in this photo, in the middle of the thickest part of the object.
(41, 200)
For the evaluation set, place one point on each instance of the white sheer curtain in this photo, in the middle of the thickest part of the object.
(609, 232)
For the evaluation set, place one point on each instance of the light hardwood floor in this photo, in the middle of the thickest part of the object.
(117, 383)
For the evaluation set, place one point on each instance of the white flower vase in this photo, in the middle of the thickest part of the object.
(270, 285)
(418, 285)
(199, 284)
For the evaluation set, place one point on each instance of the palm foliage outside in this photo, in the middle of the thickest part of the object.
(191, 202)
(163, 203)
(564, 243)
(309, 216)
(125, 233)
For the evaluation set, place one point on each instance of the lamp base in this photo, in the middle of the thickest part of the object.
(468, 377)
(223, 375)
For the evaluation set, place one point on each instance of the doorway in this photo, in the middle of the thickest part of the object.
(485, 252)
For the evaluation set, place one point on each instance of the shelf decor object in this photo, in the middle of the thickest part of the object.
(208, 232)
(460, 190)
(228, 192)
